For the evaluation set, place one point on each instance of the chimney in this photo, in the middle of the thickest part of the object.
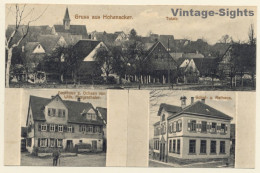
(191, 100)
(22, 48)
(203, 100)
(78, 99)
(183, 101)
(197, 52)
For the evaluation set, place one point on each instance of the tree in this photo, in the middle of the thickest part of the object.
(133, 34)
(251, 62)
(105, 60)
(10, 42)
(226, 39)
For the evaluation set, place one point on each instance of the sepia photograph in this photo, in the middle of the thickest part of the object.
(192, 129)
(63, 128)
(130, 47)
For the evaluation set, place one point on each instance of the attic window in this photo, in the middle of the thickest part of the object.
(39, 46)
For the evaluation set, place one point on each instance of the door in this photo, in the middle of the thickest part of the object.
(94, 145)
(69, 145)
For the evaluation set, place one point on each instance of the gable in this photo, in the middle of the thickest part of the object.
(92, 54)
(184, 63)
(38, 49)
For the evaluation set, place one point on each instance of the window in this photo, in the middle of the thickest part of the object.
(94, 117)
(90, 128)
(213, 127)
(44, 127)
(52, 142)
(80, 141)
(163, 117)
(52, 127)
(83, 128)
(63, 113)
(170, 146)
(59, 143)
(203, 126)
(203, 146)
(178, 146)
(222, 147)
(96, 129)
(53, 113)
(223, 128)
(213, 147)
(193, 126)
(69, 129)
(88, 116)
(173, 145)
(29, 142)
(192, 147)
(43, 142)
(60, 128)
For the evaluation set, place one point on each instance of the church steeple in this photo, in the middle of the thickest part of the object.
(66, 20)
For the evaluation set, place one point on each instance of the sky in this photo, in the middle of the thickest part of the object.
(173, 98)
(100, 102)
(145, 19)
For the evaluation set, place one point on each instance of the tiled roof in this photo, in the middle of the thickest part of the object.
(169, 108)
(30, 46)
(74, 29)
(84, 47)
(201, 109)
(193, 55)
(75, 109)
(48, 42)
(103, 112)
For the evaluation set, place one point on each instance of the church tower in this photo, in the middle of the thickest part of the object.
(66, 20)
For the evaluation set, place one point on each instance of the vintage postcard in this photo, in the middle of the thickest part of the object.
(107, 46)
(63, 128)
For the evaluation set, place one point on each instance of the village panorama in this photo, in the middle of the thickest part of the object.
(68, 56)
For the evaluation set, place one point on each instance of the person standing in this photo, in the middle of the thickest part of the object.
(55, 155)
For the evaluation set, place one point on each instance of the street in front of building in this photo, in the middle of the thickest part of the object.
(82, 160)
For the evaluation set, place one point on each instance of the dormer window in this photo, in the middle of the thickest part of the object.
(91, 116)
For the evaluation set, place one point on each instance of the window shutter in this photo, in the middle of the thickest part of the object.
(177, 126)
(47, 142)
(226, 127)
(65, 128)
(72, 129)
(189, 125)
(56, 127)
(39, 127)
(48, 127)
(39, 142)
(180, 126)
(56, 142)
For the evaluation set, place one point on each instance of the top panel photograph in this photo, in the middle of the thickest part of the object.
(130, 47)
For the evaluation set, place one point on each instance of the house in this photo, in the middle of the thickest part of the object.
(194, 132)
(54, 122)
(110, 38)
(162, 63)
(71, 33)
(191, 68)
(102, 112)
